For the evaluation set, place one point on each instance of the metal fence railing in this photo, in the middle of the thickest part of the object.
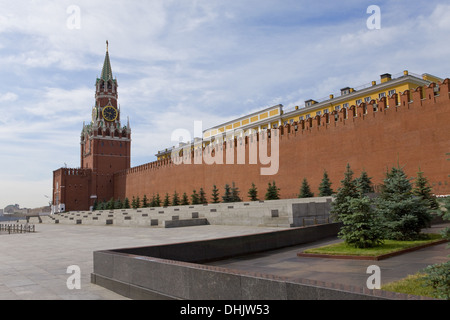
(17, 228)
(315, 221)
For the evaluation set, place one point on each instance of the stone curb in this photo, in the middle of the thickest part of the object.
(371, 258)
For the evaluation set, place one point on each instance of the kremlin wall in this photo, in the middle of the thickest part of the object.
(412, 132)
(402, 120)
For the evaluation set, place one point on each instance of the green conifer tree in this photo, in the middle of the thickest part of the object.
(272, 192)
(157, 200)
(166, 201)
(195, 198)
(110, 204)
(126, 203)
(145, 202)
(185, 200)
(215, 195)
(325, 189)
(423, 190)
(138, 202)
(235, 193)
(305, 190)
(405, 214)
(118, 204)
(347, 191)
(175, 199)
(363, 227)
(202, 196)
(227, 197)
(253, 193)
(134, 203)
(152, 203)
(364, 183)
(437, 276)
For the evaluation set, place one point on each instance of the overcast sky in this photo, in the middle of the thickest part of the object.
(180, 61)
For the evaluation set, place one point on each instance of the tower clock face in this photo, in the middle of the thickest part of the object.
(110, 113)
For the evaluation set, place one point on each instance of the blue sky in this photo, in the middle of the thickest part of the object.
(180, 61)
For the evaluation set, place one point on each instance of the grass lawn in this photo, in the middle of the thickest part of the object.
(389, 246)
(414, 285)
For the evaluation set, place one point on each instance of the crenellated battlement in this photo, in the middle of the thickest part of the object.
(422, 98)
(74, 172)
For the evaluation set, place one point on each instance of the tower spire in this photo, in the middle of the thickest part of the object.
(107, 71)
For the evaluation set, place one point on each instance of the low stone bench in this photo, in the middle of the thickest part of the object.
(185, 223)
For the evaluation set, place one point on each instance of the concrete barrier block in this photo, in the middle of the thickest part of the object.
(211, 285)
(103, 262)
(262, 289)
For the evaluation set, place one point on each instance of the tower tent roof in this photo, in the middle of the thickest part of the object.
(107, 70)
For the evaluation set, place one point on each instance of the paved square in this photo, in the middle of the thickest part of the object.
(34, 266)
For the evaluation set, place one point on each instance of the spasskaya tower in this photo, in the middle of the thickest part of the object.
(105, 150)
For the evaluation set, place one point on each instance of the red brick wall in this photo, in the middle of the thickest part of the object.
(106, 158)
(73, 188)
(413, 134)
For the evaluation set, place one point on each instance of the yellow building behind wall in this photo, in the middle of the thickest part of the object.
(348, 97)
(276, 116)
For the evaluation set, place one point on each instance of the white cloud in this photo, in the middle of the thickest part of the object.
(8, 97)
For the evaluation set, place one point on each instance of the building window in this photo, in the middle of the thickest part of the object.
(318, 113)
(291, 121)
(326, 111)
(367, 99)
(345, 105)
(382, 95)
(337, 108)
(345, 91)
(392, 92)
(358, 102)
(301, 118)
(308, 116)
